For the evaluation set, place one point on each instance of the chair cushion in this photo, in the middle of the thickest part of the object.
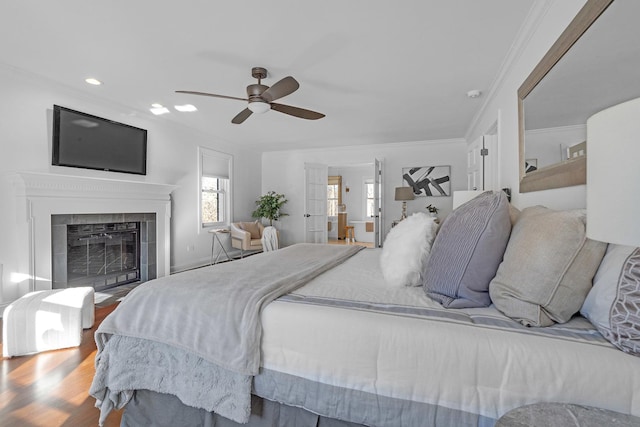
(467, 251)
(253, 228)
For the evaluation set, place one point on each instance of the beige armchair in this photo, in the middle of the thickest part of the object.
(246, 236)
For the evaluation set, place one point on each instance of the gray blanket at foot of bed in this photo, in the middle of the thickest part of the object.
(208, 317)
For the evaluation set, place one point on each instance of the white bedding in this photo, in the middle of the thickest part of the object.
(395, 342)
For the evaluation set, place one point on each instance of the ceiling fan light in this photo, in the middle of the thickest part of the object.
(93, 81)
(259, 107)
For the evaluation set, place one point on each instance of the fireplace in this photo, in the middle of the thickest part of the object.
(102, 250)
(103, 255)
(52, 201)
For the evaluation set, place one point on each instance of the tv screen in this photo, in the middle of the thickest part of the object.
(85, 141)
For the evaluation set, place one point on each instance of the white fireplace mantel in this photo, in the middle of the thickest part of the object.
(40, 184)
(45, 194)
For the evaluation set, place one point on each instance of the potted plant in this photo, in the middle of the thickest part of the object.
(433, 211)
(269, 206)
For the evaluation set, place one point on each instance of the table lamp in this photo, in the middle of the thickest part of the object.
(403, 194)
(613, 174)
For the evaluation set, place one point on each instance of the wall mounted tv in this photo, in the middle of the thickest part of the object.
(85, 141)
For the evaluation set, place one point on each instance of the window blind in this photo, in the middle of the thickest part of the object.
(215, 166)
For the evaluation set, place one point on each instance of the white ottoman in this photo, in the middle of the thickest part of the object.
(47, 320)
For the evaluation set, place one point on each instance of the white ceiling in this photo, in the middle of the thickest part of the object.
(381, 71)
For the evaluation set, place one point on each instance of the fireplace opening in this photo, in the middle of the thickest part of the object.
(103, 255)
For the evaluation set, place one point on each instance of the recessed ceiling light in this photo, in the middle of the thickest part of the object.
(159, 110)
(474, 93)
(93, 81)
(185, 108)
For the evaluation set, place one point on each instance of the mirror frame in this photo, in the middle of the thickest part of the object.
(568, 172)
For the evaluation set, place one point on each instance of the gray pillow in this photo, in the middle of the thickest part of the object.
(467, 251)
(613, 304)
(548, 267)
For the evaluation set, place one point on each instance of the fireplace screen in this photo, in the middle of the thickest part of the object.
(103, 255)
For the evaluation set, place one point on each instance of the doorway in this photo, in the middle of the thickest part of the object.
(483, 161)
(353, 205)
(356, 193)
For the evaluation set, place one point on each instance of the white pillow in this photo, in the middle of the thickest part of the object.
(613, 304)
(406, 250)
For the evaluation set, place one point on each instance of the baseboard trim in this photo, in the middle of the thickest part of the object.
(202, 262)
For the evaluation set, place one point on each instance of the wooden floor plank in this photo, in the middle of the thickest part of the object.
(52, 388)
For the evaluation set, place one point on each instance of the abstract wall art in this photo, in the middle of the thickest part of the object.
(428, 180)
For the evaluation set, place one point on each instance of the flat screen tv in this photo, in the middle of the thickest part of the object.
(85, 141)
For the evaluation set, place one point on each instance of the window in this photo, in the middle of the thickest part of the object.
(369, 201)
(334, 195)
(215, 186)
(214, 195)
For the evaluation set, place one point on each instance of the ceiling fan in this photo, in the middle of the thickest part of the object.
(261, 97)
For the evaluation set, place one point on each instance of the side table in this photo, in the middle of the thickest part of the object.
(564, 414)
(215, 237)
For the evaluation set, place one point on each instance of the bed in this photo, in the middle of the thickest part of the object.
(338, 346)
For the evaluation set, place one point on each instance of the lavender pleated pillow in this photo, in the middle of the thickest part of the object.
(467, 252)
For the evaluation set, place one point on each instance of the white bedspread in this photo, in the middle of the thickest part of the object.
(400, 344)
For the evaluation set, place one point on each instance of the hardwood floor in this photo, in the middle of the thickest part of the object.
(52, 388)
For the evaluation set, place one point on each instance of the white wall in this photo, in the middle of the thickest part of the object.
(283, 171)
(25, 145)
(554, 16)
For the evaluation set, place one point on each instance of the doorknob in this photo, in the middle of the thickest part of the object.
(307, 215)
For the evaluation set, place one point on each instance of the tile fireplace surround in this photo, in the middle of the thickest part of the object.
(47, 195)
(102, 279)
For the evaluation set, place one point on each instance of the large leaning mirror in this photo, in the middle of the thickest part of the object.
(593, 65)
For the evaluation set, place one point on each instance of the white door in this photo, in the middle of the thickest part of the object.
(482, 165)
(475, 166)
(491, 169)
(377, 203)
(315, 206)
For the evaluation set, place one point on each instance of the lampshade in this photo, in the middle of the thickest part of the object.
(462, 197)
(404, 193)
(259, 107)
(613, 174)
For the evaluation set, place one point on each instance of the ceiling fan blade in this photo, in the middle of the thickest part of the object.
(284, 87)
(211, 94)
(242, 116)
(297, 112)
